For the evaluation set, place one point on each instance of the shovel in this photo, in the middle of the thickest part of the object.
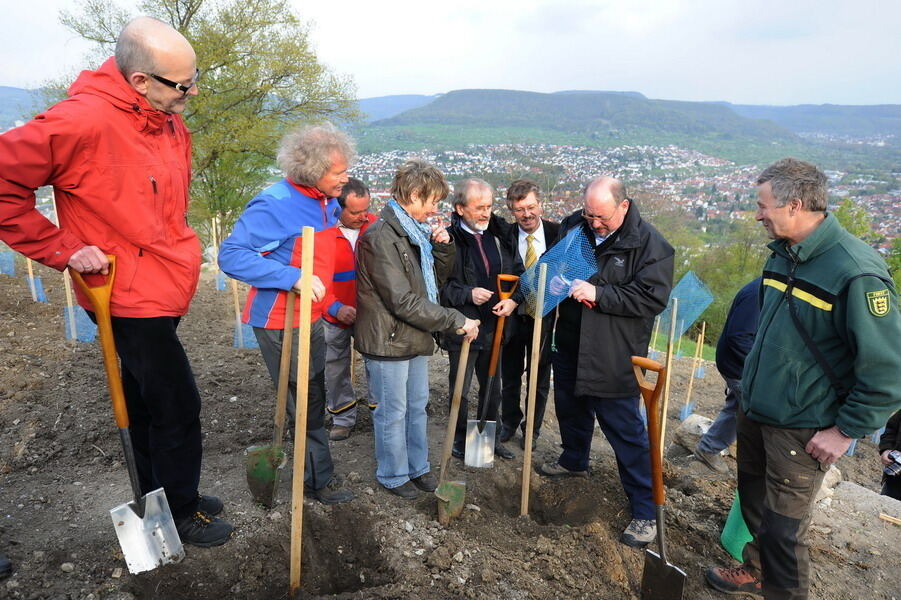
(265, 463)
(660, 580)
(144, 526)
(451, 494)
(480, 434)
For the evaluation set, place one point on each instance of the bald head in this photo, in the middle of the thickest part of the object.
(145, 43)
(605, 205)
(149, 51)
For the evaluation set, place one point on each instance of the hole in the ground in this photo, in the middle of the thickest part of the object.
(340, 554)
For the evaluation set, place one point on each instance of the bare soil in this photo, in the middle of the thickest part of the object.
(61, 471)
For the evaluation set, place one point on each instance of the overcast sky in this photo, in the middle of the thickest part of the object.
(751, 52)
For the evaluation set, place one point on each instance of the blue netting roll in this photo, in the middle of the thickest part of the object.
(694, 298)
(8, 262)
(569, 259)
(85, 330)
(39, 294)
(246, 338)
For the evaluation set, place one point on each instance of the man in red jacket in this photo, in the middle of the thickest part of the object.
(353, 220)
(118, 156)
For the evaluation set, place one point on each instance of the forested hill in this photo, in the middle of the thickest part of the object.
(599, 113)
(881, 120)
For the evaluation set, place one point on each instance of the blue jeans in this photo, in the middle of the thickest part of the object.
(401, 389)
(722, 433)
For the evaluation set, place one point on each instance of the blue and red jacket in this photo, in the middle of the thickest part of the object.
(264, 250)
(344, 284)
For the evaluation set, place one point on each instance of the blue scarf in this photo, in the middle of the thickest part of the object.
(420, 234)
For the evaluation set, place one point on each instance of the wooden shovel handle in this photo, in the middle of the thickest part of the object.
(651, 394)
(504, 293)
(99, 296)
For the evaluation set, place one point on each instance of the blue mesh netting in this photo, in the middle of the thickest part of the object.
(694, 298)
(246, 338)
(85, 330)
(39, 294)
(220, 281)
(8, 262)
(570, 258)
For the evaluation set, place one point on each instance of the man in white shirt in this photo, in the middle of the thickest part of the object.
(532, 236)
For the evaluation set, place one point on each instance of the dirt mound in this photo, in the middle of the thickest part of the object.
(61, 473)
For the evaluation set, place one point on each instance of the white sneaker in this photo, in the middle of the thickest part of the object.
(639, 533)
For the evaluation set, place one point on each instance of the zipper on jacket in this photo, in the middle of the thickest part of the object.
(153, 182)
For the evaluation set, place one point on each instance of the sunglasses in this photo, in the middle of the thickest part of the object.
(180, 87)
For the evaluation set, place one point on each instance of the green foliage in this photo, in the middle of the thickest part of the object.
(260, 78)
(855, 219)
(894, 261)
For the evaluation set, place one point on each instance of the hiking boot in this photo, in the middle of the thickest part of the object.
(426, 482)
(506, 433)
(204, 530)
(734, 580)
(639, 533)
(339, 432)
(713, 460)
(408, 490)
(554, 469)
(329, 496)
(211, 505)
(6, 567)
(502, 451)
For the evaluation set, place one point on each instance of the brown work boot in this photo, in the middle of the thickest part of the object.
(713, 460)
(339, 432)
(734, 580)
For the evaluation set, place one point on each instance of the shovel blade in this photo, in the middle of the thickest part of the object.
(479, 444)
(451, 496)
(264, 466)
(661, 580)
(151, 541)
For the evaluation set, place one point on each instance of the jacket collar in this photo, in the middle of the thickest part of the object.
(108, 83)
(626, 237)
(819, 241)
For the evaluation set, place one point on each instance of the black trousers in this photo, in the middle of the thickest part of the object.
(163, 408)
(478, 362)
(516, 360)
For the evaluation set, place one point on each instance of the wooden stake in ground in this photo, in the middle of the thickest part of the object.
(695, 362)
(301, 397)
(533, 388)
(67, 281)
(238, 327)
(679, 343)
(32, 287)
(669, 366)
(654, 336)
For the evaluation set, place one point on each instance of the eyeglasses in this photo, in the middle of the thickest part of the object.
(524, 209)
(180, 87)
(592, 218)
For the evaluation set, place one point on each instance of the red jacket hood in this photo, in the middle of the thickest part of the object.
(108, 83)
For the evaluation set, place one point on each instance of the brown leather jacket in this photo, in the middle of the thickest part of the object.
(395, 318)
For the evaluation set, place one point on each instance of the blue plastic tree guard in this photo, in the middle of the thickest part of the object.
(8, 263)
(39, 294)
(85, 330)
(244, 337)
(694, 298)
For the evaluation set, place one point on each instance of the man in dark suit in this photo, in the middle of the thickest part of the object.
(483, 252)
(531, 236)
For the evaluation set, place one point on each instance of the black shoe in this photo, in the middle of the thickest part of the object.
(502, 451)
(407, 490)
(326, 495)
(211, 505)
(506, 433)
(427, 482)
(6, 567)
(522, 442)
(459, 449)
(201, 529)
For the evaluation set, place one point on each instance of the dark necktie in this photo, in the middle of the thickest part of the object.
(478, 237)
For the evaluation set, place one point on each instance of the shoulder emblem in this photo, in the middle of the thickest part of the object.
(878, 302)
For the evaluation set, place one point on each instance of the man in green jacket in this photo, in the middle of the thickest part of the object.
(823, 371)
